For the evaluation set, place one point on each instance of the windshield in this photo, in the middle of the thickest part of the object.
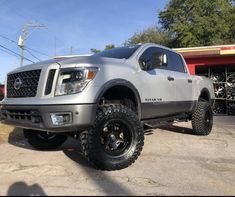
(119, 52)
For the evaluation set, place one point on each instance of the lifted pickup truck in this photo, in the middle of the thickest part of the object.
(106, 100)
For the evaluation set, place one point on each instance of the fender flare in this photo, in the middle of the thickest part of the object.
(206, 91)
(119, 82)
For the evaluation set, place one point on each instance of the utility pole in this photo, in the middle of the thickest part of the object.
(55, 46)
(22, 39)
(71, 50)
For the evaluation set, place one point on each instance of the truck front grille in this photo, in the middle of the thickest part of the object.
(23, 84)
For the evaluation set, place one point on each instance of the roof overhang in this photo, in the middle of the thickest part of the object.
(207, 51)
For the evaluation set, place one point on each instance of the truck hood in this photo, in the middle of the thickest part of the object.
(88, 61)
(64, 62)
(34, 66)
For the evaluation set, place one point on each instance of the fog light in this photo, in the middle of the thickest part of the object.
(61, 118)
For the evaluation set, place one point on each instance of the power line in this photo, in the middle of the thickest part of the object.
(8, 39)
(25, 46)
(9, 52)
(17, 43)
(32, 54)
(37, 51)
(15, 53)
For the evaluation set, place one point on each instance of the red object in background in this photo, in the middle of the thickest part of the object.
(209, 61)
(208, 56)
(217, 63)
(2, 89)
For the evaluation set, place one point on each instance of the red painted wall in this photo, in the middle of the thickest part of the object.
(212, 61)
(2, 89)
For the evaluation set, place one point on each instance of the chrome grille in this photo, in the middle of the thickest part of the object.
(28, 84)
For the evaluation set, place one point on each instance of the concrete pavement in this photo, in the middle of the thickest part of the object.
(173, 162)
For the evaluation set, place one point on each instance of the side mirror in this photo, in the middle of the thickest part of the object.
(164, 60)
(143, 63)
(159, 60)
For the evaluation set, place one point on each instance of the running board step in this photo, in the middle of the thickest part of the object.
(154, 123)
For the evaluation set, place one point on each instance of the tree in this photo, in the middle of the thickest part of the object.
(95, 50)
(199, 23)
(107, 47)
(149, 35)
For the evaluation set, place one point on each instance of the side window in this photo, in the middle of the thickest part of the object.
(150, 58)
(175, 62)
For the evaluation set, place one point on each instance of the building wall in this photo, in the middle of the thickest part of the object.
(212, 61)
(2, 89)
(223, 65)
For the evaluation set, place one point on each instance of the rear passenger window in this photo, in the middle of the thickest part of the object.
(175, 62)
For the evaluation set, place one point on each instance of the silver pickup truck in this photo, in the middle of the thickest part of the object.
(106, 100)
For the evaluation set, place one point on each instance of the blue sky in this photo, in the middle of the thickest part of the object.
(82, 24)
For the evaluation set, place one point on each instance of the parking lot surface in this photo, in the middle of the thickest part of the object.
(173, 162)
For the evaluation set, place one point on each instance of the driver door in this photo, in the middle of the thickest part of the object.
(157, 90)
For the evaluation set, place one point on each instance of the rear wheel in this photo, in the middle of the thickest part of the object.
(42, 140)
(202, 118)
(116, 139)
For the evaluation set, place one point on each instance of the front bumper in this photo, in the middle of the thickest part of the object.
(38, 117)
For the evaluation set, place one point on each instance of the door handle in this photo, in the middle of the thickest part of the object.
(170, 78)
(190, 81)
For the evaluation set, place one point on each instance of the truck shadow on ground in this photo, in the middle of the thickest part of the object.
(16, 137)
(101, 178)
(104, 180)
(71, 148)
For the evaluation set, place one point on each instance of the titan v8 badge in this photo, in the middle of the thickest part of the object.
(153, 99)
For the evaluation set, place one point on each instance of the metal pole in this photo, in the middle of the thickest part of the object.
(25, 36)
(71, 50)
(25, 33)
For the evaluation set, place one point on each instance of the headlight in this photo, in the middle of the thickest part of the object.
(74, 80)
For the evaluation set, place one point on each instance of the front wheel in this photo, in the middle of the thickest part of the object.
(202, 118)
(42, 140)
(116, 139)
